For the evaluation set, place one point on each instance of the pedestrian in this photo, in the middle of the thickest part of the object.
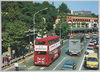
(6, 57)
(16, 66)
(8, 61)
(12, 56)
(3, 60)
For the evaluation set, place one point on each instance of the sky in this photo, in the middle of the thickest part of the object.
(92, 6)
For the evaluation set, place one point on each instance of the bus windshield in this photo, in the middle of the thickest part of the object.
(41, 53)
(40, 43)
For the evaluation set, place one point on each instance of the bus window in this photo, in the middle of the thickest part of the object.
(41, 53)
(40, 43)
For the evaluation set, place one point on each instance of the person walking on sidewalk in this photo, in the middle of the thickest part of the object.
(24, 60)
(16, 66)
(8, 61)
(3, 60)
(6, 57)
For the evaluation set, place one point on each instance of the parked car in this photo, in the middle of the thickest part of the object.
(69, 65)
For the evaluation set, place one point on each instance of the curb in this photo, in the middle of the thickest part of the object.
(17, 62)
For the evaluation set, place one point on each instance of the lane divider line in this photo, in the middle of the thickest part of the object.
(59, 63)
(31, 67)
(63, 47)
(81, 63)
(42, 68)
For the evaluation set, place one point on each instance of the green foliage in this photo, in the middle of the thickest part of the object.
(17, 17)
(93, 15)
(63, 8)
(14, 34)
(64, 29)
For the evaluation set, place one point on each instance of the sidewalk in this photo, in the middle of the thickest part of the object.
(4, 66)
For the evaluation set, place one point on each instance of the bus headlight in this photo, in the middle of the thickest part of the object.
(43, 58)
(38, 58)
(42, 62)
(38, 61)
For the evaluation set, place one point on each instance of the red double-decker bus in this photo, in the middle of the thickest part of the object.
(46, 50)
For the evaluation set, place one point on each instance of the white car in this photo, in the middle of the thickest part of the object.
(94, 41)
(91, 43)
(87, 36)
(89, 50)
(97, 46)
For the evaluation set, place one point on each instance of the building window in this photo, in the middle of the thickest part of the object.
(74, 25)
(73, 19)
(78, 25)
(95, 25)
(82, 25)
(89, 19)
(76, 19)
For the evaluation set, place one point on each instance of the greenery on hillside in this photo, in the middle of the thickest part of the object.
(17, 17)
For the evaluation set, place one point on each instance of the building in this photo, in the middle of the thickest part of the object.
(80, 12)
(82, 23)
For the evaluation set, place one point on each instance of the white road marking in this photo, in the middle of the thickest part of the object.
(63, 47)
(42, 68)
(31, 67)
(18, 64)
(58, 64)
(81, 63)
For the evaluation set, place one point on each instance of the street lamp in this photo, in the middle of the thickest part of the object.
(60, 29)
(71, 28)
(34, 21)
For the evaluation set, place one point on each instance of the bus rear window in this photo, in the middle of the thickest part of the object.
(41, 53)
(40, 43)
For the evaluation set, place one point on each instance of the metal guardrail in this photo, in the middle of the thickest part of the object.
(16, 59)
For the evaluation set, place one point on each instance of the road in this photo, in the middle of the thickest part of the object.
(58, 63)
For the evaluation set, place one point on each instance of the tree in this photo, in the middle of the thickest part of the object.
(50, 15)
(93, 15)
(64, 29)
(13, 34)
(63, 8)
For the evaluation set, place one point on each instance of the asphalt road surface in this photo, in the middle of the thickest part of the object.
(58, 63)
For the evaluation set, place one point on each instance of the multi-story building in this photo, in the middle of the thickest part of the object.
(80, 12)
(82, 23)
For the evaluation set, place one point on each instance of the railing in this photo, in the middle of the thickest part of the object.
(16, 59)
